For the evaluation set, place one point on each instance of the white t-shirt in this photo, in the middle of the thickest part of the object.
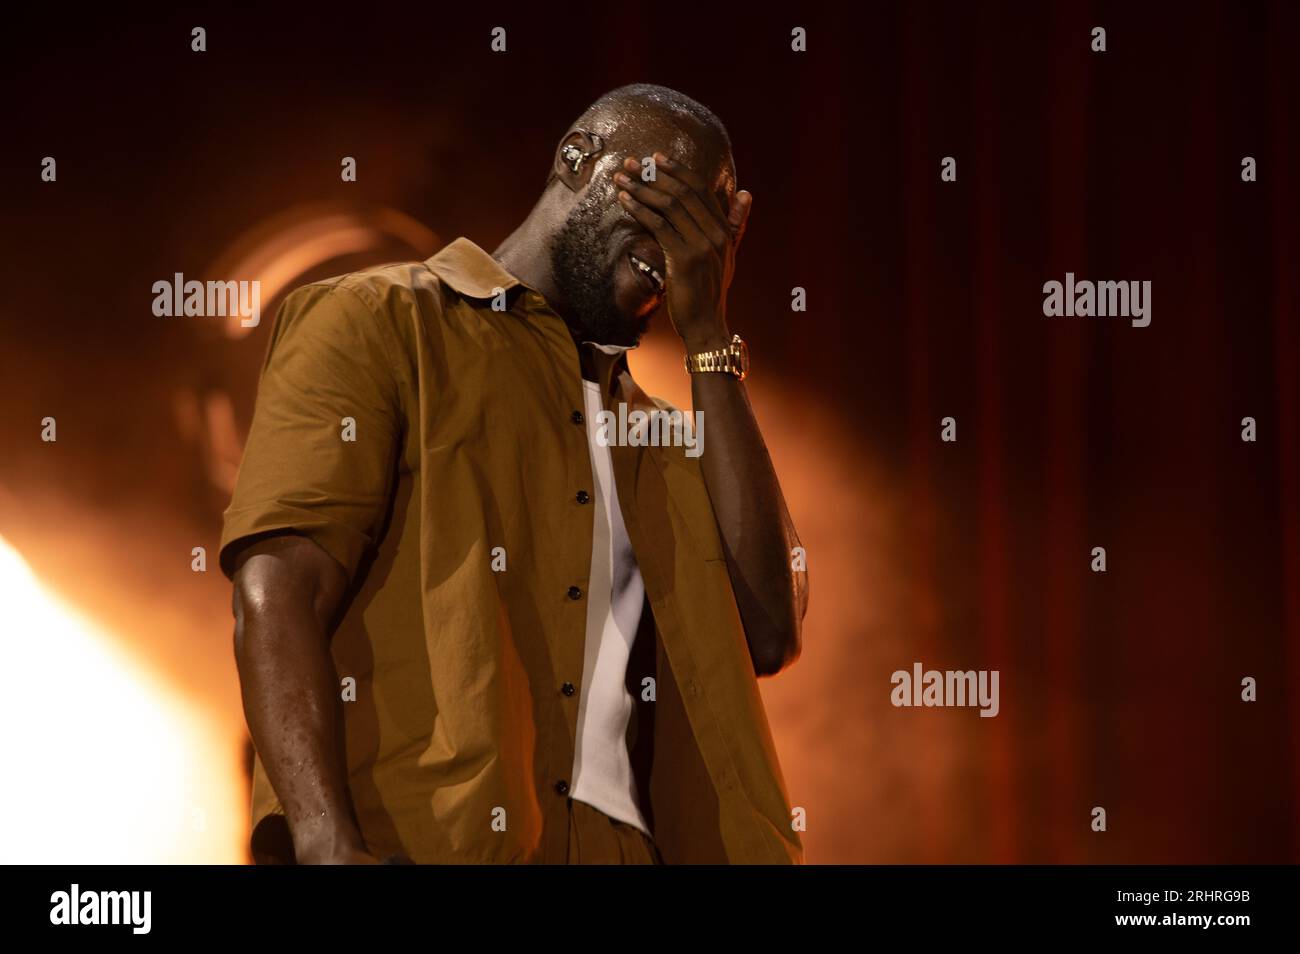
(602, 769)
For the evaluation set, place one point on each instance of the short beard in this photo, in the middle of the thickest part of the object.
(578, 255)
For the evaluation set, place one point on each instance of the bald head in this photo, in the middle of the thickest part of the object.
(644, 104)
(642, 118)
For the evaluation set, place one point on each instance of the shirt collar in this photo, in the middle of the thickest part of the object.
(469, 270)
(472, 272)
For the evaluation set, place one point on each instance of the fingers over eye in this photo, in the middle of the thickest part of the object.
(709, 210)
(684, 206)
(653, 222)
(693, 180)
(673, 207)
(680, 172)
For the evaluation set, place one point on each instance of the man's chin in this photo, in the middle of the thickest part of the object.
(623, 332)
(639, 325)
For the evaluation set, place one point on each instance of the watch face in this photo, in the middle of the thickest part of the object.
(741, 351)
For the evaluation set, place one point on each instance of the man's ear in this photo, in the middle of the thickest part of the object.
(575, 157)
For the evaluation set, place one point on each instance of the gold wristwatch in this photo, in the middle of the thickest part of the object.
(733, 359)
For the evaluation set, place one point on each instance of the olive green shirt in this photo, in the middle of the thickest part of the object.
(434, 445)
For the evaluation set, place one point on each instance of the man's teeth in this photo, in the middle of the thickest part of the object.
(649, 270)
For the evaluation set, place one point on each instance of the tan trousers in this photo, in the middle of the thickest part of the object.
(597, 839)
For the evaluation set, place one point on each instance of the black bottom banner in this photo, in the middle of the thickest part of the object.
(212, 904)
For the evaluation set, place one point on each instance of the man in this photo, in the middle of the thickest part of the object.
(471, 624)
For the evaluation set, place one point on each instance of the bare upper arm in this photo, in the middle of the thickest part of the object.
(286, 573)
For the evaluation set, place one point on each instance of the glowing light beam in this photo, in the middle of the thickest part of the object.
(103, 763)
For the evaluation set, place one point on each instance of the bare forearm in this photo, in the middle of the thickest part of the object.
(757, 535)
(698, 222)
(291, 704)
(285, 594)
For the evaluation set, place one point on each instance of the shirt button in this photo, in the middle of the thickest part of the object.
(568, 689)
(576, 417)
(575, 593)
(562, 787)
(582, 496)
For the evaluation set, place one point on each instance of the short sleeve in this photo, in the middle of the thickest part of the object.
(325, 434)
